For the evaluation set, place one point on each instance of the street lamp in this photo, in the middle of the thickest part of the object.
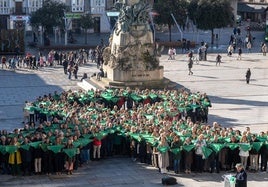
(65, 34)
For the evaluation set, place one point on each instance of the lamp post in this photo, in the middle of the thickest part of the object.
(65, 34)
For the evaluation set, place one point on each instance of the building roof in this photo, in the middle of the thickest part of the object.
(253, 8)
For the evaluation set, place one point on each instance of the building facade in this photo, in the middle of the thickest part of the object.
(252, 10)
(16, 13)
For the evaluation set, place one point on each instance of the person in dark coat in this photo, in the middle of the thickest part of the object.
(26, 156)
(65, 66)
(248, 75)
(176, 144)
(142, 150)
(241, 176)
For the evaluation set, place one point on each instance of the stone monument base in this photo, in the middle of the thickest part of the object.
(154, 84)
(134, 75)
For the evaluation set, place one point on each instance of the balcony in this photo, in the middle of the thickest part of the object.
(5, 11)
(77, 8)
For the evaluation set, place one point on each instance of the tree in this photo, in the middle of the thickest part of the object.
(86, 22)
(210, 14)
(49, 16)
(167, 7)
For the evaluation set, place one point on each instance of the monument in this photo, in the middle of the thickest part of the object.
(132, 57)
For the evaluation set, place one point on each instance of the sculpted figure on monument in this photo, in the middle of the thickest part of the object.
(131, 46)
(136, 14)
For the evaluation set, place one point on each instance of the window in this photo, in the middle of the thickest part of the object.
(4, 4)
(35, 3)
(77, 5)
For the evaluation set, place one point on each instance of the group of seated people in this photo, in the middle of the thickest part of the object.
(167, 129)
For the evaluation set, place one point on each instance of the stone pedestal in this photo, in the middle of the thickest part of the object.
(135, 75)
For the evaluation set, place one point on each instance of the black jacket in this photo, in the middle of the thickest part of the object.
(241, 179)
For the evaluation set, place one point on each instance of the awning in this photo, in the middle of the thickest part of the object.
(252, 8)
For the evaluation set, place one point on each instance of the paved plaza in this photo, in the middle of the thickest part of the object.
(234, 104)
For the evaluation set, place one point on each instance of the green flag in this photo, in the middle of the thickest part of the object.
(100, 135)
(232, 146)
(257, 145)
(25, 147)
(44, 147)
(162, 149)
(88, 136)
(77, 143)
(217, 147)
(188, 148)
(3, 149)
(70, 152)
(206, 151)
(11, 148)
(175, 151)
(35, 144)
(245, 146)
(85, 141)
(262, 139)
(55, 148)
(135, 136)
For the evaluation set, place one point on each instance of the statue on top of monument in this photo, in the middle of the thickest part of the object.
(131, 46)
(134, 14)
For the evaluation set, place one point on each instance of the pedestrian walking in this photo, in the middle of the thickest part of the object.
(239, 57)
(70, 70)
(249, 47)
(65, 66)
(218, 60)
(190, 66)
(170, 53)
(248, 75)
(230, 50)
(75, 70)
(264, 49)
(4, 62)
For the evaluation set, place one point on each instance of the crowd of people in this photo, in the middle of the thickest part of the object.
(167, 129)
(69, 60)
